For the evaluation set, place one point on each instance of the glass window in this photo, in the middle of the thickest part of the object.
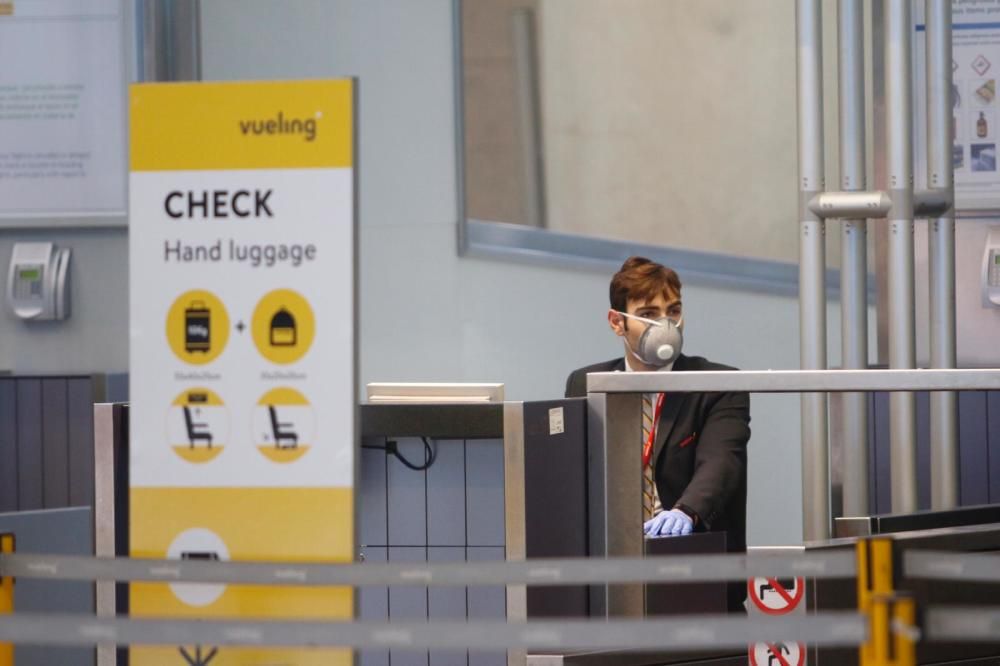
(668, 123)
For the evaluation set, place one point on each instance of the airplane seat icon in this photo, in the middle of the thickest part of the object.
(282, 431)
(196, 431)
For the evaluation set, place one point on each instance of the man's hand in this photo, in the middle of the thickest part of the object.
(668, 523)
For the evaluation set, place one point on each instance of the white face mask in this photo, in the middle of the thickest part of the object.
(661, 342)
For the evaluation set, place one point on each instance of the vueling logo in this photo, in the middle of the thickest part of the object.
(281, 125)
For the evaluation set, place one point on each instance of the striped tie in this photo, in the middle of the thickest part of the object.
(650, 502)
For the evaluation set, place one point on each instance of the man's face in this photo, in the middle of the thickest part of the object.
(661, 305)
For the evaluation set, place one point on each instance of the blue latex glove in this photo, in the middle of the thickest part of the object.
(668, 523)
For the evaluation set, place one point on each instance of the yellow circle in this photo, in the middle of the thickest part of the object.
(282, 456)
(197, 327)
(283, 326)
(285, 442)
(197, 456)
(283, 395)
(198, 396)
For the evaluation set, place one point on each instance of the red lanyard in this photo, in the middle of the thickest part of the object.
(647, 449)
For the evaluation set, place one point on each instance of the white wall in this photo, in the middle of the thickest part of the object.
(653, 106)
(95, 336)
(427, 314)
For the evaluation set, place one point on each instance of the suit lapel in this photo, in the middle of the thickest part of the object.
(672, 404)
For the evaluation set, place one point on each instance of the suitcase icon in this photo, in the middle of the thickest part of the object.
(197, 328)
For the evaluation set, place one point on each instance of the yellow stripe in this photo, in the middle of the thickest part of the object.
(255, 524)
(260, 125)
(262, 524)
(6, 600)
(875, 584)
(904, 612)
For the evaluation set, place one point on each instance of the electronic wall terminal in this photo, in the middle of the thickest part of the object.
(37, 283)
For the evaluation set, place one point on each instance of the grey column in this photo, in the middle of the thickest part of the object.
(171, 32)
(515, 534)
(614, 425)
(899, 109)
(104, 516)
(854, 266)
(529, 114)
(941, 247)
(812, 269)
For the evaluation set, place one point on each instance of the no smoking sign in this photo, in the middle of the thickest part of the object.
(776, 596)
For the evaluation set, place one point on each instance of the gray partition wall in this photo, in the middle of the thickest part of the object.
(979, 450)
(66, 531)
(452, 511)
(46, 441)
(555, 498)
(458, 509)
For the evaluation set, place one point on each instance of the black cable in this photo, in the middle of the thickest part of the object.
(430, 454)
(391, 446)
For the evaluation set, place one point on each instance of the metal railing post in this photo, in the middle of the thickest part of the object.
(614, 424)
(854, 268)
(899, 108)
(812, 269)
(874, 572)
(941, 248)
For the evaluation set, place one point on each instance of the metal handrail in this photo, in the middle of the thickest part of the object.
(795, 381)
(568, 571)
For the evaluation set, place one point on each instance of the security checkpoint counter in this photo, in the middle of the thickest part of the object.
(928, 533)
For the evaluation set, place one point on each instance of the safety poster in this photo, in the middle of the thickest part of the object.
(62, 109)
(975, 70)
(242, 236)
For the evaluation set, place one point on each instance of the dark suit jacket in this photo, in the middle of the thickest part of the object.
(700, 451)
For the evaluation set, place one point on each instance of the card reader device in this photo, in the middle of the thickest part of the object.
(38, 281)
(991, 269)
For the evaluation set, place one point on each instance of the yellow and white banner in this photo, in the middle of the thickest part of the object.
(242, 236)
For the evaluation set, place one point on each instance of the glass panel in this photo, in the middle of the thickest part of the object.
(661, 122)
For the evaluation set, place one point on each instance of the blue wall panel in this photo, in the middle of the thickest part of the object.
(80, 421)
(55, 443)
(446, 495)
(974, 481)
(8, 446)
(30, 461)
(407, 503)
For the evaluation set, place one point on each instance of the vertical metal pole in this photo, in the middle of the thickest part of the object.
(854, 268)
(514, 515)
(878, 235)
(529, 114)
(941, 244)
(104, 516)
(899, 109)
(812, 269)
(614, 424)
(171, 35)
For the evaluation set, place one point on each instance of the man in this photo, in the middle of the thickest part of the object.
(695, 443)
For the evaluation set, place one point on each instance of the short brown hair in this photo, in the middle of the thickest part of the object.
(642, 279)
